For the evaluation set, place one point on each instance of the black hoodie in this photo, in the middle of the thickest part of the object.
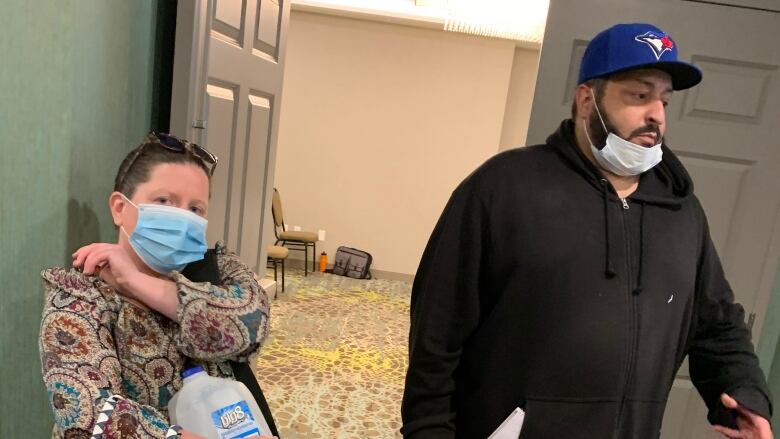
(541, 288)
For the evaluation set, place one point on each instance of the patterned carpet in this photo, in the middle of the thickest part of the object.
(334, 363)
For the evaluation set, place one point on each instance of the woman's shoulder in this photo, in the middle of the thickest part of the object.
(73, 283)
(228, 260)
(224, 255)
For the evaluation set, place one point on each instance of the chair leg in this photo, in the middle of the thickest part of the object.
(283, 275)
(305, 261)
(313, 257)
(276, 291)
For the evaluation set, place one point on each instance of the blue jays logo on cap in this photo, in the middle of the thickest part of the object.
(659, 43)
(633, 46)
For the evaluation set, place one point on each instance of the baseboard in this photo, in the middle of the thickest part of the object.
(392, 275)
(269, 286)
(377, 274)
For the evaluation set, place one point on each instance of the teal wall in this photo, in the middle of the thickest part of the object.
(76, 80)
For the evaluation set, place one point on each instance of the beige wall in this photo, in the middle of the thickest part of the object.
(380, 122)
(519, 98)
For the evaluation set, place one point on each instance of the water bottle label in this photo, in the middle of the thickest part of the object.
(235, 421)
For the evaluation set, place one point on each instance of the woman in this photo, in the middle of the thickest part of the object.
(119, 327)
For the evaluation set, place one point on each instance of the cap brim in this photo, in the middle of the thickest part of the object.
(683, 75)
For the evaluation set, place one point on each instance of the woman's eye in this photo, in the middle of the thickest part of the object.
(162, 200)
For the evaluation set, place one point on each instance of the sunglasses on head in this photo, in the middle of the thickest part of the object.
(174, 144)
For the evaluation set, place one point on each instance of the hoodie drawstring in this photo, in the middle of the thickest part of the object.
(609, 270)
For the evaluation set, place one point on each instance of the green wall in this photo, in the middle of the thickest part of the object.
(76, 81)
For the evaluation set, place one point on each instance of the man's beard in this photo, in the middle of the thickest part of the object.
(599, 136)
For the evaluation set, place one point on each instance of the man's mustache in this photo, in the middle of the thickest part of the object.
(653, 129)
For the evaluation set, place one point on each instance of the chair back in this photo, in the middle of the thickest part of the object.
(276, 211)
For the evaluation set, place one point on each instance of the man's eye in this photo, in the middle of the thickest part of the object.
(197, 210)
(162, 200)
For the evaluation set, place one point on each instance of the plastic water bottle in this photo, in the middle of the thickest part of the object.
(216, 408)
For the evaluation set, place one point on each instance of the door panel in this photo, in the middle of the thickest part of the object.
(241, 76)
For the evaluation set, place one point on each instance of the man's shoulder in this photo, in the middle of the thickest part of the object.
(514, 165)
(522, 155)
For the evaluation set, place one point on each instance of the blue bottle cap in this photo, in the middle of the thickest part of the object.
(191, 371)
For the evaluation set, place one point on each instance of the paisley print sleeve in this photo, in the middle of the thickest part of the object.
(222, 322)
(80, 367)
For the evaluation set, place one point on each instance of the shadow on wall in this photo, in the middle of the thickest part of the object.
(82, 227)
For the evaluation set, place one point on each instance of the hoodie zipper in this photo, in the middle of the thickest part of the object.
(631, 319)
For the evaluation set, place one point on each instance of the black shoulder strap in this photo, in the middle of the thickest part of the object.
(243, 373)
(207, 270)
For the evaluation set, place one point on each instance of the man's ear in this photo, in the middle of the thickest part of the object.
(116, 203)
(584, 98)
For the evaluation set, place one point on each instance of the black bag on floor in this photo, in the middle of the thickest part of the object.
(352, 262)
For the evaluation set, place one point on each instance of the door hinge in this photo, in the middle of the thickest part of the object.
(199, 123)
(751, 320)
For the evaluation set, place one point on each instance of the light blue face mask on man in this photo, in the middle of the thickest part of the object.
(167, 238)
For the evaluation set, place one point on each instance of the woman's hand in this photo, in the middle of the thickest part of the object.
(187, 435)
(112, 263)
(99, 257)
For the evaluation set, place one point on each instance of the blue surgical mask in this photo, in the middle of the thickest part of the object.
(621, 157)
(167, 238)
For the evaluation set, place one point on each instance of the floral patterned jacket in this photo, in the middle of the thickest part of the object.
(96, 347)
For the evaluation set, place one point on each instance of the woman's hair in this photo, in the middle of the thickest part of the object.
(142, 160)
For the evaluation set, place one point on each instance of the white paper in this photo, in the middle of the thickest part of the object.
(510, 428)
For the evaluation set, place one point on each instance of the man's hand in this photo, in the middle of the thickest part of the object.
(749, 424)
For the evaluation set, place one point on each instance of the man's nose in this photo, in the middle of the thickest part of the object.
(656, 114)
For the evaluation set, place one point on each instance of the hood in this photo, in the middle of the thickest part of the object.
(667, 184)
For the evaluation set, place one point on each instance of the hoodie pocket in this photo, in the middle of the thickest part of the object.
(642, 419)
(570, 419)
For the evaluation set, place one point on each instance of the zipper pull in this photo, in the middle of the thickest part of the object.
(625, 203)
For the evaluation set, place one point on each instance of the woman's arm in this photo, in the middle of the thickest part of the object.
(221, 322)
(80, 366)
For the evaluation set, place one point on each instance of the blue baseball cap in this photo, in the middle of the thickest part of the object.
(633, 46)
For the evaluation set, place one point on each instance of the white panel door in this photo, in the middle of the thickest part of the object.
(725, 131)
(228, 98)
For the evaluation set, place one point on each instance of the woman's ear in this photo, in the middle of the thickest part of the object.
(116, 203)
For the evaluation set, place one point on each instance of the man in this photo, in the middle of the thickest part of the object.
(571, 279)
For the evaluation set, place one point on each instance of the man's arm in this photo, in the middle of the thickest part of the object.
(721, 354)
(444, 311)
